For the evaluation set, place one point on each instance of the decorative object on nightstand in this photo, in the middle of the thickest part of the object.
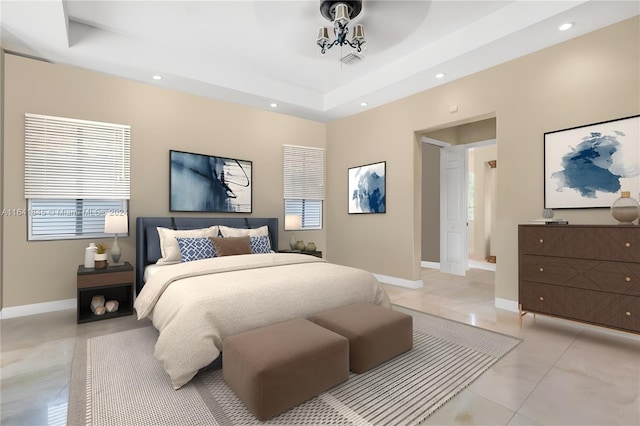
(300, 245)
(311, 246)
(547, 213)
(101, 256)
(105, 293)
(116, 224)
(90, 256)
(625, 209)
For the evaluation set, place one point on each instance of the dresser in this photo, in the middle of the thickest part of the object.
(586, 273)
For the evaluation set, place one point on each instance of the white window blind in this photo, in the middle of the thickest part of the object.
(76, 171)
(303, 171)
(76, 159)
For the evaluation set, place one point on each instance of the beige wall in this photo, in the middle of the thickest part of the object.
(483, 198)
(589, 79)
(160, 120)
(592, 78)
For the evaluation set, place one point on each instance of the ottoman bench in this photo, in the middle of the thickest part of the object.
(274, 368)
(376, 334)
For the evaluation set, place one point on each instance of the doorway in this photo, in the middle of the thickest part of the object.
(457, 170)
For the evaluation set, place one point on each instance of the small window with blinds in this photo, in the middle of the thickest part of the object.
(303, 171)
(76, 171)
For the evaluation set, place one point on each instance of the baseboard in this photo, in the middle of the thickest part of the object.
(37, 308)
(400, 282)
(506, 304)
(430, 265)
(475, 264)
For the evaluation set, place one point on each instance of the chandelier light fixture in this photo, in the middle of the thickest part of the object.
(340, 13)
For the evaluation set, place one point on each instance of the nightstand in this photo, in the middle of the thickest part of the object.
(114, 283)
(310, 253)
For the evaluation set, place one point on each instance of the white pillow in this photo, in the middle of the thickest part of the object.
(243, 232)
(169, 245)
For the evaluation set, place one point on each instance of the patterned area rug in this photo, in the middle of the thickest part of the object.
(116, 381)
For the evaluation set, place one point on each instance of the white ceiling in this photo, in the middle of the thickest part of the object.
(260, 52)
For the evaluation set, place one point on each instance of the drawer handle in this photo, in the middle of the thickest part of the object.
(627, 244)
(541, 241)
(541, 269)
(628, 313)
(542, 299)
(628, 279)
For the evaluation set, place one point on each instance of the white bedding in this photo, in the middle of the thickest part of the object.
(195, 305)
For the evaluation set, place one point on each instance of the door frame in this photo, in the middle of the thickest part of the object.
(442, 144)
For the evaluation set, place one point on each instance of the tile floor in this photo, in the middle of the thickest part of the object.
(563, 373)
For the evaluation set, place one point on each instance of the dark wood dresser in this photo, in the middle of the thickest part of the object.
(587, 273)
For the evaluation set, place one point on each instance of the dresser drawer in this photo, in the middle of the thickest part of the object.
(615, 243)
(555, 300)
(618, 311)
(615, 277)
(607, 309)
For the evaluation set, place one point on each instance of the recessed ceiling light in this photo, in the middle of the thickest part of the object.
(363, 104)
(565, 26)
(157, 77)
(273, 105)
(440, 75)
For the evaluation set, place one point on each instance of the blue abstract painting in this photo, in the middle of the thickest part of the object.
(205, 183)
(367, 189)
(589, 166)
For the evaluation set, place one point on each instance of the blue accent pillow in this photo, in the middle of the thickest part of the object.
(260, 244)
(195, 249)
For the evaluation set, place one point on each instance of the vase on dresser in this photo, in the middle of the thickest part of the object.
(625, 209)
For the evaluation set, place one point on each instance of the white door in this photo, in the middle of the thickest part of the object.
(453, 210)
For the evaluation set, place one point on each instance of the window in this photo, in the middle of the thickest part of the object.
(76, 171)
(303, 170)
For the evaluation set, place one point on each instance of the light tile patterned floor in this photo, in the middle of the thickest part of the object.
(563, 373)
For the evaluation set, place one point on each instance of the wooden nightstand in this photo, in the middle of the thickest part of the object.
(310, 253)
(114, 283)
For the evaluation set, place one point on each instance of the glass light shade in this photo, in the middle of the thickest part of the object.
(358, 32)
(341, 13)
(323, 35)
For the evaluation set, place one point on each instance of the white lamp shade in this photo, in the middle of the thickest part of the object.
(292, 221)
(341, 13)
(323, 34)
(358, 32)
(116, 223)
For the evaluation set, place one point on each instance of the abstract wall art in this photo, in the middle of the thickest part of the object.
(588, 166)
(204, 183)
(367, 188)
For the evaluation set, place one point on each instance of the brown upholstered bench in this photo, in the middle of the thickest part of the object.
(376, 334)
(274, 368)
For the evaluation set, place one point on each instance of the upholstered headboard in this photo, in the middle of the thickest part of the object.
(148, 241)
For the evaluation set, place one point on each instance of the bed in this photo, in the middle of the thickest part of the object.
(196, 304)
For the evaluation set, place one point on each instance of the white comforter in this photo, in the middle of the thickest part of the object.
(195, 305)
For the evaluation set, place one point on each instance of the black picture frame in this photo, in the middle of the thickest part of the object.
(589, 166)
(367, 188)
(207, 183)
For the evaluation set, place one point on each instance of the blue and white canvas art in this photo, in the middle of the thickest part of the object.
(589, 166)
(367, 189)
(204, 183)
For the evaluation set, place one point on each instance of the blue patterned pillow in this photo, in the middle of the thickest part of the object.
(195, 249)
(260, 244)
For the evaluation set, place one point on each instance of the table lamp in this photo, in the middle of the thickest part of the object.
(116, 224)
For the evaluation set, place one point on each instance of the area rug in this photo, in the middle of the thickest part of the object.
(115, 380)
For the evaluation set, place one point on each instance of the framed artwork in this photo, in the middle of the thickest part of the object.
(204, 183)
(588, 166)
(367, 188)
